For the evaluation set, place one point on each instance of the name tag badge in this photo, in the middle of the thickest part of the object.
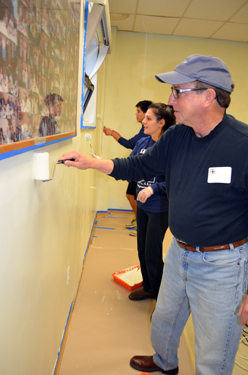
(221, 175)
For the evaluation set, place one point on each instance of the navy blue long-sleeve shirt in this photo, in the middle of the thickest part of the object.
(206, 180)
(130, 143)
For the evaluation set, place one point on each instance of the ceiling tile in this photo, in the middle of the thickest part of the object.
(219, 10)
(241, 16)
(232, 31)
(122, 6)
(122, 21)
(168, 8)
(156, 25)
(198, 18)
(197, 28)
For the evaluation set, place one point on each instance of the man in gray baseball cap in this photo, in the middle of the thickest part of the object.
(197, 77)
(205, 162)
(207, 69)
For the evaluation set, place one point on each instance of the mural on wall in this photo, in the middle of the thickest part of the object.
(39, 50)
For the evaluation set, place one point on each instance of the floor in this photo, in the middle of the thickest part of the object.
(106, 329)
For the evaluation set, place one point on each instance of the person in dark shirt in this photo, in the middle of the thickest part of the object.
(48, 124)
(142, 107)
(205, 162)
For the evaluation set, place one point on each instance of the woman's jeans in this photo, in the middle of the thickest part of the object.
(151, 228)
(211, 286)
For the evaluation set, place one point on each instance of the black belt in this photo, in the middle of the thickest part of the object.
(211, 248)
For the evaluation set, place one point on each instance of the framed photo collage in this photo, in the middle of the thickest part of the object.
(39, 52)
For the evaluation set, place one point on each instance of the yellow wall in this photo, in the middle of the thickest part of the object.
(129, 76)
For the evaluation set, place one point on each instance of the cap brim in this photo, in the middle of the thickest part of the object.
(173, 78)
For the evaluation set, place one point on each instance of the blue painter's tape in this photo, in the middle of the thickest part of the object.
(89, 238)
(105, 228)
(9, 154)
(86, 15)
(63, 337)
(115, 209)
(87, 127)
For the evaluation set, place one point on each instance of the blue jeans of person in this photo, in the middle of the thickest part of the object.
(151, 228)
(211, 286)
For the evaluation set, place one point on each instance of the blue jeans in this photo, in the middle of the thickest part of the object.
(211, 286)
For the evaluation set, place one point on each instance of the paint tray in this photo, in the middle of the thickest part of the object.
(130, 278)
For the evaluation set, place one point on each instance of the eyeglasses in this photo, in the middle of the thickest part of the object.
(176, 92)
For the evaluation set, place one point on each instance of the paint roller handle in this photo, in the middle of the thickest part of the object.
(63, 161)
(96, 156)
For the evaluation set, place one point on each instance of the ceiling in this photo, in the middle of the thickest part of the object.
(211, 19)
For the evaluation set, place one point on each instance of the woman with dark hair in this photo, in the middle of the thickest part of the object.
(152, 206)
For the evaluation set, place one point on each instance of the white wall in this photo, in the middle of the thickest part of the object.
(44, 230)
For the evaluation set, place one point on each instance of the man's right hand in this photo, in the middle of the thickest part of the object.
(84, 162)
(80, 161)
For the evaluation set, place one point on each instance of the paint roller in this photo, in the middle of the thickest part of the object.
(41, 166)
(100, 118)
(88, 138)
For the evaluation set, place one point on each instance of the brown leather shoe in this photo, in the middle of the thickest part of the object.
(139, 294)
(145, 363)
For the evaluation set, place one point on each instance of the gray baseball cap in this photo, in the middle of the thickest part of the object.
(207, 69)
